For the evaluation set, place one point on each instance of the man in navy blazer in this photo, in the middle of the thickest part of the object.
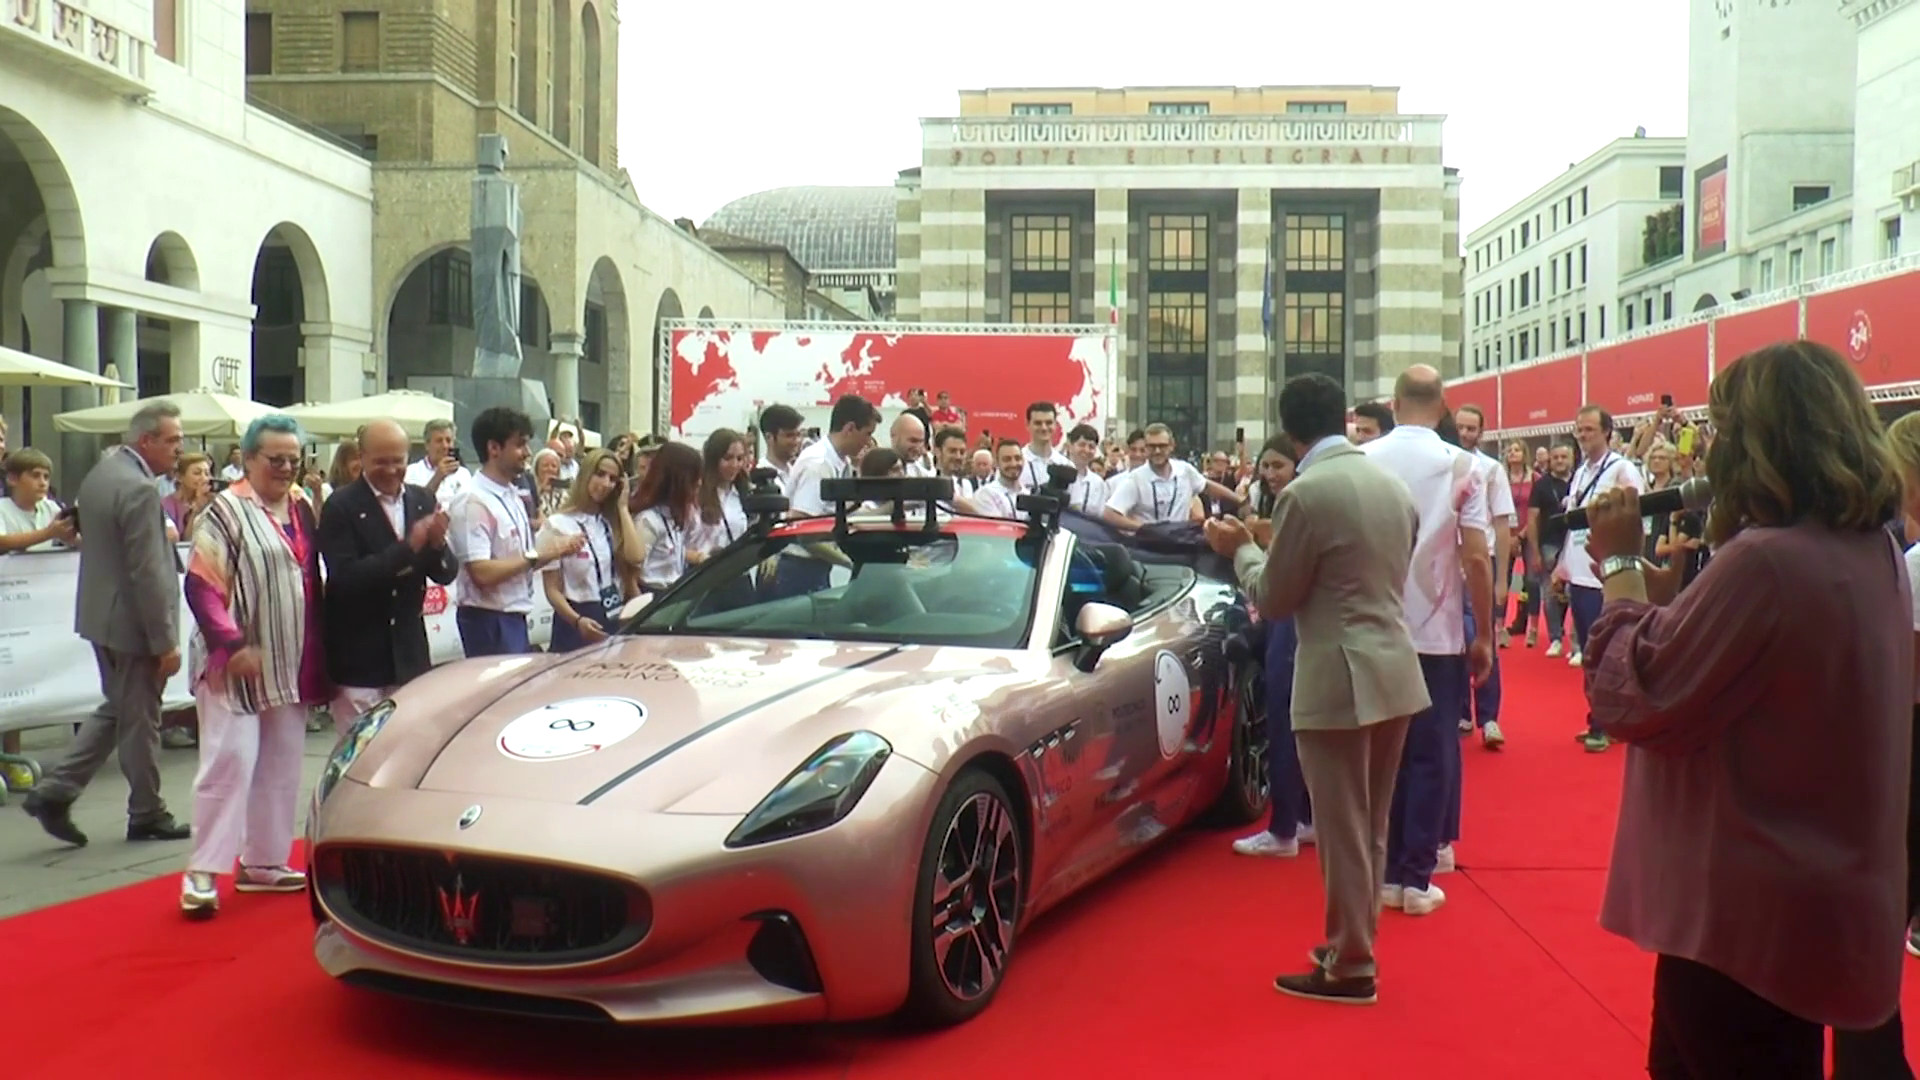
(383, 540)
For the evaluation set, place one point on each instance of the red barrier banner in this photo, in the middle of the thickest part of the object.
(1540, 394)
(1875, 325)
(724, 376)
(1734, 336)
(1629, 378)
(1481, 390)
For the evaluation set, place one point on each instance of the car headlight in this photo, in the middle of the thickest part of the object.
(359, 734)
(818, 793)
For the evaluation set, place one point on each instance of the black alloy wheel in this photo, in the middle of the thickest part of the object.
(967, 903)
(1249, 789)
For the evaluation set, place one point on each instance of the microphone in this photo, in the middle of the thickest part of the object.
(1689, 495)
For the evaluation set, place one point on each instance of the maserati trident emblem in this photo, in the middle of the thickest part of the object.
(459, 910)
(470, 815)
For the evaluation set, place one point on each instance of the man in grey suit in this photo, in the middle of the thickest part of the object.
(1342, 537)
(129, 608)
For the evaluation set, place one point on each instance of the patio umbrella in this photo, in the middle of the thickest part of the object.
(23, 369)
(203, 414)
(411, 409)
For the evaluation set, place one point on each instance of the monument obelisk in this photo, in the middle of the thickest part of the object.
(495, 378)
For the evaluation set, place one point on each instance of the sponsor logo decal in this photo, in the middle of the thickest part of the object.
(470, 815)
(571, 729)
(1172, 701)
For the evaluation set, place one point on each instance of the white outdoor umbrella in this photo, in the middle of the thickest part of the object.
(411, 409)
(203, 414)
(24, 369)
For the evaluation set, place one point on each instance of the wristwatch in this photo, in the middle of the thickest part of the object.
(1620, 564)
(532, 555)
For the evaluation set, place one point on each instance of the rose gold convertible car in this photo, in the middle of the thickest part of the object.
(759, 803)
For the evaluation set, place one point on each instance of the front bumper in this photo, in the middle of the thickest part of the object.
(803, 930)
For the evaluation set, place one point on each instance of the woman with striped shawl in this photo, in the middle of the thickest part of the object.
(253, 583)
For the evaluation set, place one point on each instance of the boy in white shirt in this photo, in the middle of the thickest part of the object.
(1000, 497)
(1162, 490)
(1089, 492)
(29, 521)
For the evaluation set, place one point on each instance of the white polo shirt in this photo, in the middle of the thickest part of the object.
(1499, 493)
(1590, 478)
(420, 474)
(490, 522)
(1147, 496)
(1089, 494)
(1034, 475)
(998, 500)
(1449, 496)
(817, 462)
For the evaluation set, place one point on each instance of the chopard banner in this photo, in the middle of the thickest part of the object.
(47, 672)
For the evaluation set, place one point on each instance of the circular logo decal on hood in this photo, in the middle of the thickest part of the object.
(570, 729)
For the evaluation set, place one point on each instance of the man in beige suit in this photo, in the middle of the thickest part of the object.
(1343, 535)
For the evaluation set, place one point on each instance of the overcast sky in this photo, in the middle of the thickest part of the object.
(715, 107)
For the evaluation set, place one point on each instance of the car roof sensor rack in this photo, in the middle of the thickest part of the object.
(1044, 507)
(849, 493)
(764, 504)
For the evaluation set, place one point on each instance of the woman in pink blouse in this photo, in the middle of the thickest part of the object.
(253, 583)
(1761, 847)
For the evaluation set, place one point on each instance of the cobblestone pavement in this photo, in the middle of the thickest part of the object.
(36, 870)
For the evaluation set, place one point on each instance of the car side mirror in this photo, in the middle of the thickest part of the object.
(1100, 627)
(635, 606)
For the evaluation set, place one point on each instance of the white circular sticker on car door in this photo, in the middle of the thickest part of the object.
(1172, 701)
(570, 729)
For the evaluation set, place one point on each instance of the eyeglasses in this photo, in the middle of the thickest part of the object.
(290, 461)
(1159, 446)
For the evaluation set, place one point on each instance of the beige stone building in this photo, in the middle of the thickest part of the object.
(413, 87)
(1202, 211)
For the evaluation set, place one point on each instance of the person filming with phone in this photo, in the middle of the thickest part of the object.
(1761, 849)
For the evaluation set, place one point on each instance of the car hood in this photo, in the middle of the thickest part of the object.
(649, 722)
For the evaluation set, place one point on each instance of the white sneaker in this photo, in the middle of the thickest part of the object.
(1392, 896)
(1305, 834)
(1553, 649)
(199, 897)
(1490, 736)
(1466, 726)
(1423, 901)
(1574, 660)
(269, 879)
(1443, 860)
(1265, 843)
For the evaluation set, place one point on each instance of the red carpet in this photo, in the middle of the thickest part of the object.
(1164, 970)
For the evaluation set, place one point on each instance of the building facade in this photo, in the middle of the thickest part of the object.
(154, 222)
(842, 237)
(414, 87)
(1240, 236)
(1543, 276)
(1886, 145)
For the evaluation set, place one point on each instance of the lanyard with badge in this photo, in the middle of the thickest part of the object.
(609, 590)
(518, 523)
(1579, 536)
(1153, 491)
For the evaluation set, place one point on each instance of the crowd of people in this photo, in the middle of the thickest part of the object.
(1383, 546)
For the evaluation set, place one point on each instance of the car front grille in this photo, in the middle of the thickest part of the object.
(481, 910)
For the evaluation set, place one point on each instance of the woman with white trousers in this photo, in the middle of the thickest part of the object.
(253, 584)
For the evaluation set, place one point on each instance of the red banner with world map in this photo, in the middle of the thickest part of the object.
(722, 376)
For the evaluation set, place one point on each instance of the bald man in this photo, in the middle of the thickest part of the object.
(383, 540)
(909, 438)
(1451, 573)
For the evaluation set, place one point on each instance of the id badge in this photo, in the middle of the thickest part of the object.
(610, 600)
(1577, 536)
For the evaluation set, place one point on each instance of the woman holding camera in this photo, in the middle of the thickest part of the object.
(1761, 851)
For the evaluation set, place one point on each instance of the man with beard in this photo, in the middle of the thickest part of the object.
(999, 498)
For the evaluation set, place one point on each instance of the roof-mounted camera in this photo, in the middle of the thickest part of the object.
(849, 493)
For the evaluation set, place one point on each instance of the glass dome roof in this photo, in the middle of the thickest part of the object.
(826, 228)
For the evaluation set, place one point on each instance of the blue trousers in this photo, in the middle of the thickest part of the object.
(1484, 700)
(484, 632)
(1428, 765)
(1586, 603)
(567, 636)
(1290, 805)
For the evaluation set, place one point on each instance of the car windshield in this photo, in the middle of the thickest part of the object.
(901, 586)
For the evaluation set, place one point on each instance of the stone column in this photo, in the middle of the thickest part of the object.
(953, 264)
(565, 349)
(1254, 389)
(1122, 399)
(1409, 282)
(120, 346)
(335, 362)
(80, 349)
